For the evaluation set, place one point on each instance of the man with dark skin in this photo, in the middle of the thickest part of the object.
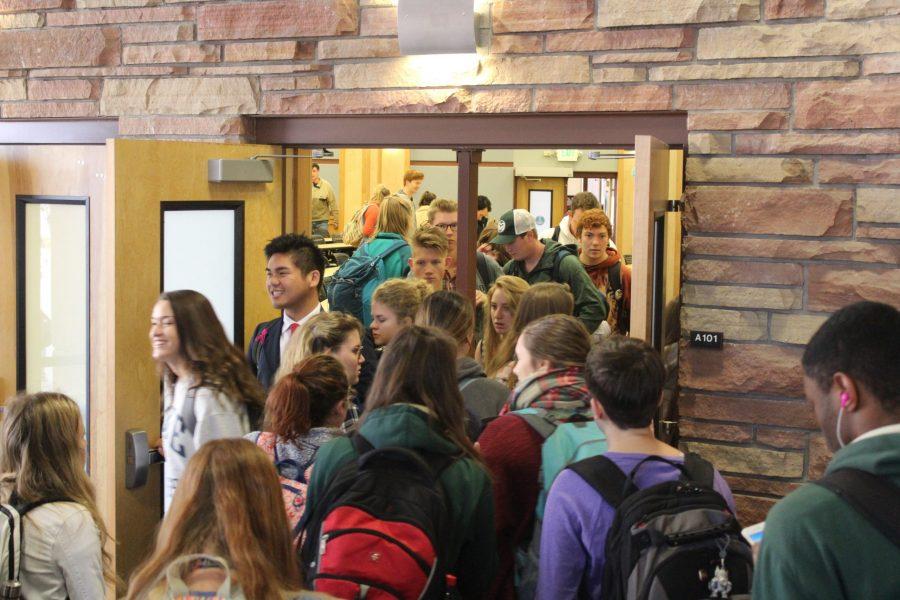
(816, 543)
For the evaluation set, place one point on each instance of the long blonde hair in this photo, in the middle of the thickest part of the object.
(41, 457)
(395, 216)
(228, 503)
(513, 287)
(322, 333)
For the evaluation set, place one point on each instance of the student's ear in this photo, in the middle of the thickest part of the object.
(596, 408)
(314, 278)
(409, 261)
(447, 262)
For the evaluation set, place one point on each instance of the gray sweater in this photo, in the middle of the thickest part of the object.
(483, 397)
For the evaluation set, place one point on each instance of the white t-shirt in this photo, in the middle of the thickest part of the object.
(61, 554)
(215, 416)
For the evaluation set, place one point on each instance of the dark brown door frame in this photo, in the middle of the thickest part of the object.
(469, 135)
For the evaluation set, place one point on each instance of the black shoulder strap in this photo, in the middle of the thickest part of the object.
(873, 497)
(27, 508)
(555, 236)
(699, 470)
(604, 476)
(615, 277)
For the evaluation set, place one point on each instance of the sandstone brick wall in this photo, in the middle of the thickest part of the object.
(794, 151)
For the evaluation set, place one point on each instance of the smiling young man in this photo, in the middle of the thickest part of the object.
(294, 270)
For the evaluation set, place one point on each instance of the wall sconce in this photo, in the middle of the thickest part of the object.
(430, 27)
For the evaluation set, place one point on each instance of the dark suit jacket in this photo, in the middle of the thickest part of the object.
(265, 355)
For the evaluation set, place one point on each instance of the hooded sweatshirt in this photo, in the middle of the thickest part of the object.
(466, 483)
(565, 233)
(590, 305)
(483, 397)
(817, 546)
(512, 450)
(599, 274)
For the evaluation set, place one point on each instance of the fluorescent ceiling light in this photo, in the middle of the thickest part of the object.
(436, 26)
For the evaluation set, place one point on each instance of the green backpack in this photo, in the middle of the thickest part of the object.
(564, 444)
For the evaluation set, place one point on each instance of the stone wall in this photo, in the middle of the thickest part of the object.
(793, 204)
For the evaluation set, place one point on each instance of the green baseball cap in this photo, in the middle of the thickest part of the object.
(513, 223)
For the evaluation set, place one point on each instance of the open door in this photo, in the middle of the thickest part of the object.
(150, 185)
(651, 188)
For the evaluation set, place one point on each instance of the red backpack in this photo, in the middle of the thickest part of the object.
(294, 479)
(381, 529)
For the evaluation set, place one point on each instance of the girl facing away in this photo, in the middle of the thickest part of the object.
(226, 525)
(42, 457)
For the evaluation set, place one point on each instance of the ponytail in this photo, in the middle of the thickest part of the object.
(305, 397)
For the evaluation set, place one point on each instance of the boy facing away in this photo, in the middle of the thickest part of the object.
(625, 377)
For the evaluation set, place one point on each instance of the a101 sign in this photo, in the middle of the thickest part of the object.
(707, 339)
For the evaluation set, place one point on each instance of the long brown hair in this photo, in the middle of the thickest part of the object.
(41, 457)
(450, 312)
(395, 216)
(561, 339)
(514, 288)
(305, 397)
(228, 503)
(538, 301)
(419, 367)
(214, 360)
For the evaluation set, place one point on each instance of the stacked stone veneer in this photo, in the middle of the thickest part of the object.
(793, 108)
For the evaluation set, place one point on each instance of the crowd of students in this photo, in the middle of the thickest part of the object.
(405, 451)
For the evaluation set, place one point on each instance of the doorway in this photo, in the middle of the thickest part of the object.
(126, 183)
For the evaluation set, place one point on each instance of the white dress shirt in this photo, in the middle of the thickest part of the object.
(286, 327)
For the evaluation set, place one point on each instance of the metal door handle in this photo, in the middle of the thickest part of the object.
(138, 458)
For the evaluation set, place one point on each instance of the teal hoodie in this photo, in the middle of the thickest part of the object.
(467, 485)
(590, 306)
(816, 546)
(395, 265)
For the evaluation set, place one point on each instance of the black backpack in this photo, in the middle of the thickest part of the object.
(382, 525)
(676, 539)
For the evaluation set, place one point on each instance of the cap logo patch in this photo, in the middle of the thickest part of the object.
(501, 226)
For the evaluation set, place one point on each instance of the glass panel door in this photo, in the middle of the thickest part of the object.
(52, 303)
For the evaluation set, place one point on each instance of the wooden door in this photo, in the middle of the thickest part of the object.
(651, 188)
(142, 174)
(556, 185)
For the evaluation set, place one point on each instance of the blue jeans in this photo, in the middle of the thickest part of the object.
(320, 228)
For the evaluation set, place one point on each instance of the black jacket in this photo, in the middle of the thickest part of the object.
(264, 353)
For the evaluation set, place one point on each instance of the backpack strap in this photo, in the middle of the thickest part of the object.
(555, 236)
(537, 421)
(873, 497)
(615, 276)
(699, 470)
(390, 249)
(604, 476)
(483, 272)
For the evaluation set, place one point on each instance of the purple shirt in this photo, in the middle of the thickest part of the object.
(577, 519)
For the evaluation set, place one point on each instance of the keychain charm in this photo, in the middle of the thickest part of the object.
(720, 585)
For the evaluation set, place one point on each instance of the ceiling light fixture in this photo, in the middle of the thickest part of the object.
(429, 27)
